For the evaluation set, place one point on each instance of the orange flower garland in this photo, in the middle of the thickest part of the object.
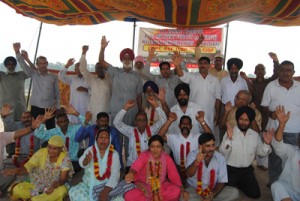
(154, 179)
(187, 151)
(109, 163)
(17, 152)
(204, 193)
(67, 143)
(137, 139)
(152, 116)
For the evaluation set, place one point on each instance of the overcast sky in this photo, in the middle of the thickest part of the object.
(247, 41)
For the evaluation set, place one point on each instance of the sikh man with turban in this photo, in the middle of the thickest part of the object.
(126, 85)
(49, 170)
(240, 145)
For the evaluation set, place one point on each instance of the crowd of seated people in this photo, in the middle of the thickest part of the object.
(137, 136)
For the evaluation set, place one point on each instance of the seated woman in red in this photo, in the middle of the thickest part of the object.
(150, 172)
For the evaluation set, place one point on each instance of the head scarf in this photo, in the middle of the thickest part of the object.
(139, 58)
(245, 109)
(126, 51)
(56, 141)
(152, 85)
(182, 86)
(238, 62)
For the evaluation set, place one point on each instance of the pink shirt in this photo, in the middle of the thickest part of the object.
(5, 139)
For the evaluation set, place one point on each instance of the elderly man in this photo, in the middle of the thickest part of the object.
(100, 86)
(45, 90)
(239, 146)
(49, 169)
(282, 91)
(287, 187)
(79, 89)
(9, 137)
(207, 174)
(232, 83)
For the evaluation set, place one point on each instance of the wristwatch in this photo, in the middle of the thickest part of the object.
(203, 123)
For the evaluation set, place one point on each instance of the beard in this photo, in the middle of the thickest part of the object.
(185, 131)
(183, 102)
(243, 128)
(127, 65)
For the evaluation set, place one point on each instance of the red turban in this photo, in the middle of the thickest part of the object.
(126, 51)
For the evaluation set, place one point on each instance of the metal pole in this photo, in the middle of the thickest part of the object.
(226, 40)
(35, 55)
(133, 40)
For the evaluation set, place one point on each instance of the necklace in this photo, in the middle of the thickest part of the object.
(209, 188)
(137, 139)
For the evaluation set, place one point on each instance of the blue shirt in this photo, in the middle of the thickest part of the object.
(85, 132)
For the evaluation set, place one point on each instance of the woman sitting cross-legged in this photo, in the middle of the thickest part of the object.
(101, 172)
(49, 170)
(150, 172)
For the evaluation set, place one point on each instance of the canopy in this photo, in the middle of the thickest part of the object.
(171, 13)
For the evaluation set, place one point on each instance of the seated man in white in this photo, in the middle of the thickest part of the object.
(207, 173)
(287, 187)
(183, 142)
(240, 145)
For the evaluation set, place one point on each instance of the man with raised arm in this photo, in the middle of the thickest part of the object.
(45, 90)
(79, 89)
(100, 86)
(287, 187)
(139, 135)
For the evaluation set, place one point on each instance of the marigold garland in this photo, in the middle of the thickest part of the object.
(151, 121)
(137, 139)
(67, 143)
(187, 151)
(109, 163)
(154, 179)
(17, 152)
(205, 192)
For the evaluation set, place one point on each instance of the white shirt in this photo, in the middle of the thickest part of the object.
(80, 100)
(100, 90)
(128, 131)
(204, 92)
(5, 139)
(275, 95)
(174, 141)
(290, 156)
(229, 89)
(241, 150)
(217, 163)
(191, 111)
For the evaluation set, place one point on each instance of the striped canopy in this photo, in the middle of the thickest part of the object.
(171, 13)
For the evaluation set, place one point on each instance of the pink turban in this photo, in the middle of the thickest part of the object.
(126, 51)
(139, 58)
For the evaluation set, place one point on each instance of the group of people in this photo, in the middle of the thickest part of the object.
(188, 136)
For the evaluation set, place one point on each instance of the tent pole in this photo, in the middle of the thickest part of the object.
(226, 40)
(35, 55)
(133, 40)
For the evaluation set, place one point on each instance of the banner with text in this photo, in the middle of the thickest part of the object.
(166, 41)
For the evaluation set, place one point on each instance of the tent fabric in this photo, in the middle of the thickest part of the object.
(171, 13)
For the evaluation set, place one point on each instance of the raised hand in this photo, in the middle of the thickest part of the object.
(104, 42)
(243, 75)
(200, 116)
(151, 53)
(17, 47)
(253, 106)
(37, 122)
(25, 55)
(129, 177)
(228, 106)
(172, 116)
(5, 110)
(49, 113)
(70, 63)
(200, 155)
(129, 104)
(152, 101)
(85, 48)
(268, 136)
(71, 110)
(176, 58)
(200, 40)
(161, 94)
(229, 130)
(88, 157)
(273, 56)
(88, 117)
(281, 115)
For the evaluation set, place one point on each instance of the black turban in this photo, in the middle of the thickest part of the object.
(238, 62)
(152, 85)
(10, 59)
(127, 51)
(245, 109)
(182, 86)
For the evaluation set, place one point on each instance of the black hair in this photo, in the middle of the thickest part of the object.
(286, 62)
(164, 63)
(141, 113)
(205, 59)
(205, 137)
(156, 138)
(185, 117)
(101, 130)
(102, 115)
(10, 59)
